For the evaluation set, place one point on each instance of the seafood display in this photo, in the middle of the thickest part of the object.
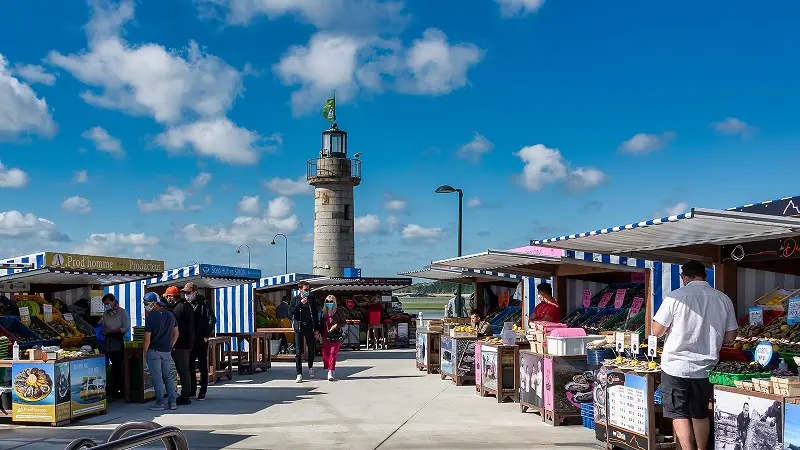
(33, 384)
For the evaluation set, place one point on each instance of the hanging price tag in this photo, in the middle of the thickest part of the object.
(619, 300)
(48, 312)
(605, 299)
(756, 316)
(635, 343)
(68, 317)
(620, 338)
(636, 306)
(587, 298)
(25, 315)
(652, 346)
(763, 354)
(793, 313)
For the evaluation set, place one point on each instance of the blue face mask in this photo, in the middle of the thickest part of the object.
(107, 307)
(329, 305)
(305, 294)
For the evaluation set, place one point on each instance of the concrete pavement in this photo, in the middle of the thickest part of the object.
(382, 402)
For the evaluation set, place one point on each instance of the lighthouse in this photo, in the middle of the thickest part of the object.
(334, 176)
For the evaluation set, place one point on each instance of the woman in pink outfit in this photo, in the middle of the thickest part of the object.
(333, 322)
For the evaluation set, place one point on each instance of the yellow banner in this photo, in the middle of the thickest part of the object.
(101, 263)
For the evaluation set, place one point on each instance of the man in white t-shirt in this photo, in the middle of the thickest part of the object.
(699, 319)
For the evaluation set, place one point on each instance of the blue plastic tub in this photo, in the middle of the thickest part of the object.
(588, 423)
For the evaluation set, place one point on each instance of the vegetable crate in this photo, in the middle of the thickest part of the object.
(13, 329)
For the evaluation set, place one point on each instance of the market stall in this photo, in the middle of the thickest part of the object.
(429, 345)
(265, 296)
(51, 299)
(457, 356)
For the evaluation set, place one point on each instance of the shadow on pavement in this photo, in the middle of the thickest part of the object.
(46, 438)
(407, 354)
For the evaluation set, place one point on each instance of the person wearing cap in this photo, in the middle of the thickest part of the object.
(184, 316)
(160, 334)
(204, 322)
(116, 323)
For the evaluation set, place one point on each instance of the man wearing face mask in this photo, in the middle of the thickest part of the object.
(184, 316)
(304, 313)
(116, 323)
(204, 322)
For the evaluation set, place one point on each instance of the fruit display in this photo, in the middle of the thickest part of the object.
(43, 330)
(65, 329)
(632, 290)
(33, 384)
(34, 307)
(493, 340)
(466, 329)
(16, 331)
(639, 365)
(785, 338)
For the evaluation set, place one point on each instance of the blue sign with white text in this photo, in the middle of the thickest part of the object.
(229, 271)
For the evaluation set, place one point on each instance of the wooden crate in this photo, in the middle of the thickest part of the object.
(763, 385)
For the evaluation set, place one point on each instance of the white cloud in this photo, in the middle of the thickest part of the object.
(643, 143)
(417, 233)
(201, 180)
(395, 204)
(350, 64)
(81, 176)
(116, 244)
(474, 202)
(33, 74)
(279, 207)
(308, 237)
(354, 16)
(368, 224)
(243, 230)
(510, 8)
(476, 148)
(288, 187)
(14, 224)
(673, 210)
(174, 199)
(217, 138)
(733, 126)
(12, 178)
(77, 204)
(21, 111)
(249, 205)
(546, 165)
(148, 79)
(104, 142)
(392, 223)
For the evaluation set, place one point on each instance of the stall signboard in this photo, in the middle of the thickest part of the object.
(628, 413)
(87, 385)
(619, 298)
(229, 271)
(422, 350)
(509, 337)
(587, 298)
(619, 339)
(763, 353)
(69, 318)
(793, 311)
(465, 358)
(531, 379)
(25, 315)
(755, 316)
(447, 355)
(478, 363)
(33, 397)
(652, 346)
(562, 393)
(748, 420)
(635, 343)
(47, 310)
(489, 367)
(604, 300)
(101, 263)
(791, 429)
(636, 306)
(771, 250)
(96, 302)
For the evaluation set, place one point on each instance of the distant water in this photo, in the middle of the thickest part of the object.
(430, 307)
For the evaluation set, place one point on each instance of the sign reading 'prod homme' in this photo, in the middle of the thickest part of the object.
(101, 263)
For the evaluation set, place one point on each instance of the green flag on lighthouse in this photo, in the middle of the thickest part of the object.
(329, 109)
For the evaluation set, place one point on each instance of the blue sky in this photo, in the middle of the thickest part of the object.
(140, 128)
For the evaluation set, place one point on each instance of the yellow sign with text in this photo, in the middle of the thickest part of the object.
(101, 263)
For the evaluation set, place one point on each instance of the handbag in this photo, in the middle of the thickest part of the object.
(336, 335)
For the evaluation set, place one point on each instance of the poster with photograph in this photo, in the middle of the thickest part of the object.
(465, 357)
(33, 397)
(747, 422)
(63, 404)
(448, 356)
(87, 385)
(489, 367)
(791, 435)
(531, 378)
(422, 353)
(402, 335)
(478, 363)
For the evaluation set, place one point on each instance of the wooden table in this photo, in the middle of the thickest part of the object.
(429, 350)
(285, 357)
(258, 354)
(218, 365)
(499, 371)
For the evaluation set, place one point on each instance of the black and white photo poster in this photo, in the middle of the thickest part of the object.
(745, 422)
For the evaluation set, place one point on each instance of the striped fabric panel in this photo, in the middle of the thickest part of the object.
(37, 259)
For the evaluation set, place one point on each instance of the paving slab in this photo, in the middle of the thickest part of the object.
(381, 402)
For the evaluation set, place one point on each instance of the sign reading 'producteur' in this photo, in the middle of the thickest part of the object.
(101, 263)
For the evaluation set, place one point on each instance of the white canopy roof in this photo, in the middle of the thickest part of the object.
(501, 260)
(652, 238)
(460, 275)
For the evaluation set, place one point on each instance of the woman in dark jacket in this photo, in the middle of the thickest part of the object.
(332, 327)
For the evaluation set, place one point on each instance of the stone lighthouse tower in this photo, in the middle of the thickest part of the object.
(333, 176)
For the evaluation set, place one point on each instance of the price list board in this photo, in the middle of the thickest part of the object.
(630, 410)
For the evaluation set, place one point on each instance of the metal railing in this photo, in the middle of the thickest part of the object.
(333, 168)
(171, 437)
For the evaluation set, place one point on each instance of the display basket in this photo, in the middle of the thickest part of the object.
(11, 327)
(70, 337)
(763, 385)
(463, 334)
(744, 385)
(777, 299)
(786, 386)
(49, 335)
(83, 326)
(729, 379)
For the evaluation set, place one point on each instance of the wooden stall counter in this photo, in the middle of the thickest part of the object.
(497, 371)
(458, 359)
(429, 344)
(220, 358)
(275, 333)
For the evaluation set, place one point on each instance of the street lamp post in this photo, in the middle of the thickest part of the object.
(286, 241)
(447, 189)
(248, 253)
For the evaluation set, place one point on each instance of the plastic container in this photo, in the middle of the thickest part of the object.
(569, 332)
(596, 357)
(587, 415)
(11, 326)
(569, 346)
(729, 379)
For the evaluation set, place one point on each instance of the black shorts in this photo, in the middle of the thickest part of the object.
(685, 398)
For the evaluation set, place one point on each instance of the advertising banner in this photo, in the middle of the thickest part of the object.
(87, 385)
(33, 397)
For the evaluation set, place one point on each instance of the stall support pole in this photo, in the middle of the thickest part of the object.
(725, 279)
(648, 303)
(561, 292)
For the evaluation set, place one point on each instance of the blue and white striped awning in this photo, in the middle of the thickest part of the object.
(72, 277)
(652, 239)
(501, 261)
(205, 276)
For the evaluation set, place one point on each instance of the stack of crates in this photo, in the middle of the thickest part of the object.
(587, 415)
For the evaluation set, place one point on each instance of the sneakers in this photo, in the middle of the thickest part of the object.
(183, 401)
(311, 372)
(173, 407)
(201, 396)
(156, 407)
(299, 379)
(331, 376)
